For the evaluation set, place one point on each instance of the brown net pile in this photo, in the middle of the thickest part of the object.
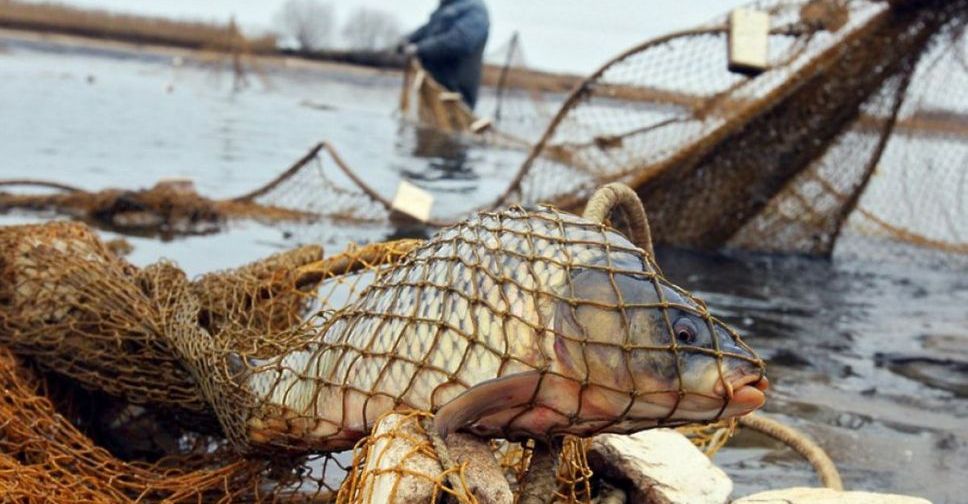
(82, 314)
(81, 311)
(44, 458)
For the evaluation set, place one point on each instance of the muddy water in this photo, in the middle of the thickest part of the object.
(871, 359)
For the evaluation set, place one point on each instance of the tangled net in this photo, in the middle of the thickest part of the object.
(78, 312)
(173, 207)
(167, 351)
(856, 130)
(848, 131)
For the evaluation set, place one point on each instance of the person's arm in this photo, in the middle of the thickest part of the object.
(468, 33)
(418, 34)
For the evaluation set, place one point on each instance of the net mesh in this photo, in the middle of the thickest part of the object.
(788, 160)
(856, 129)
(79, 313)
(853, 114)
(189, 359)
(535, 303)
(522, 99)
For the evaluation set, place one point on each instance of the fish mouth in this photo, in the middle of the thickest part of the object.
(744, 393)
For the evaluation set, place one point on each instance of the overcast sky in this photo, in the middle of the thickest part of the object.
(564, 35)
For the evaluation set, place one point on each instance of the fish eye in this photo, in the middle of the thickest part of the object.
(686, 331)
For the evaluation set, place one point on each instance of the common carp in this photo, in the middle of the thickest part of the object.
(510, 324)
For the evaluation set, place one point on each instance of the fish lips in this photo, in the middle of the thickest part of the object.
(744, 393)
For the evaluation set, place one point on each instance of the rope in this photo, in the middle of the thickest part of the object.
(41, 183)
(801, 444)
(618, 202)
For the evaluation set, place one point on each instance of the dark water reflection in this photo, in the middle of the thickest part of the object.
(847, 344)
(868, 358)
(446, 155)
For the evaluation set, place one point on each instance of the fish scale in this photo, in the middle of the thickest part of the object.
(469, 306)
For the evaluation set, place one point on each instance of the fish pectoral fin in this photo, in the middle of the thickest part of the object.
(485, 398)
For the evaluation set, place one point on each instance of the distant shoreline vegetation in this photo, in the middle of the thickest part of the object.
(102, 24)
(228, 37)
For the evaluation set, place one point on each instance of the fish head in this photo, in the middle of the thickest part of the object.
(645, 353)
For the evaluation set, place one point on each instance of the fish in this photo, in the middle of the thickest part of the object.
(515, 324)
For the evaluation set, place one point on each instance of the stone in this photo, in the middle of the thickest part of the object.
(659, 466)
(804, 495)
(397, 470)
(485, 478)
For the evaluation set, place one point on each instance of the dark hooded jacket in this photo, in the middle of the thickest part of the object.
(451, 45)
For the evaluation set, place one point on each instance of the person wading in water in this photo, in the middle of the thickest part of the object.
(451, 45)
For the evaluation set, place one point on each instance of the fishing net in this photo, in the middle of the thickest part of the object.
(515, 297)
(172, 207)
(427, 103)
(195, 355)
(515, 104)
(855, 129)
(73, 305)
(85, 317)
(851, 131)
(424, 100)
(521, 100)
